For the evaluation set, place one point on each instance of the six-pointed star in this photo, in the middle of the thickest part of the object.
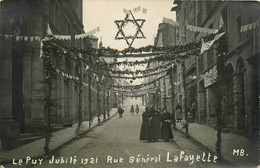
(121, 35)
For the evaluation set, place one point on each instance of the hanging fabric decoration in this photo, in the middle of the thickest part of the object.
(80, 36)
(144, 10)
(92, 32)
(207, 45)
(250, 26)
(23, 38)
(7, 36)
(63, 37)
(126, 11)
(49, 32)
(201, 29)
(137, 9)
(170, 21)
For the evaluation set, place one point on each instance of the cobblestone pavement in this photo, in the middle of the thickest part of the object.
(118, 139)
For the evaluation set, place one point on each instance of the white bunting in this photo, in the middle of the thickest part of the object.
(249, 26)
(126, 11)
(25, 38)
(170, 21)
(37, 38)
(144, 10)
(7, 36)
(201, 29)
(49, 32)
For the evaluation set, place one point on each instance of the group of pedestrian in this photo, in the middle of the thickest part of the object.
(156, 125)
(136, 110)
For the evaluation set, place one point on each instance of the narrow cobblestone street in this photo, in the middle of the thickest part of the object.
(119, 138)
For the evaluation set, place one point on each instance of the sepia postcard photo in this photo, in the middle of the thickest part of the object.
(129, 83)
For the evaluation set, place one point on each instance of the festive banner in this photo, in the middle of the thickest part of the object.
(66, 75)
(201, 29)
(126, 11)
(49, 32)
(170, 21)
(23, 38)
(207, 45)
(249, 26)
(63, 37)
(137, 9)
(144, 10)
(92, 32)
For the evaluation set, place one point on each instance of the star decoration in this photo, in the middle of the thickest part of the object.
(129, 38)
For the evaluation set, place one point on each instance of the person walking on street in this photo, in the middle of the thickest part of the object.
(166, 125)
(137, 109)
(120, 111)
(132, 110)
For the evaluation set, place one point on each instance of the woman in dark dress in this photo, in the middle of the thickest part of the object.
(166, 125)
(155, 128)
(144, 133)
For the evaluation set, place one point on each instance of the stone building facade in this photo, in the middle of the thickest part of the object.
(21, 69)
(240, 101)
(162, 98)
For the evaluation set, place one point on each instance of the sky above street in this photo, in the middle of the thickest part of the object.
(103, 13)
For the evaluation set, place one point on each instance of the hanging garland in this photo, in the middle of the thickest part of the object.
(146, 71)
(49, 77)
(96, 62)
(108, 52)
(133, 91)
(162, 58)
(131, 77)
(133, 86)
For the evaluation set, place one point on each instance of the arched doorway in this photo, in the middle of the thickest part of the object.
(240, 103)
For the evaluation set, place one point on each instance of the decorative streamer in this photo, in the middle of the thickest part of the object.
(250, 26)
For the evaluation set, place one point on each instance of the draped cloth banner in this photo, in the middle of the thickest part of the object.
(23, 38)
(136, 9)
(83, 35)
(126, 11)
(201, 29)
(250, 26)
(207, 45)
(68, 37)
(170, 21)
